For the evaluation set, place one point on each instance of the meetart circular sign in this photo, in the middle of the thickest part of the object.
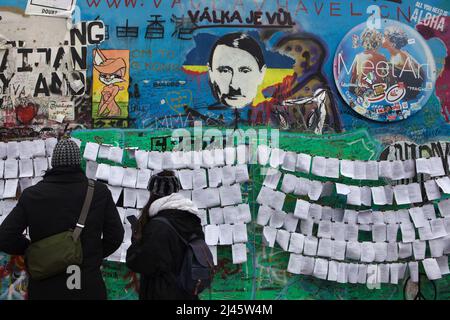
(385, 73)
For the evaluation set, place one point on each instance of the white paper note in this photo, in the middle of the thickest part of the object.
(130, 178)
(242, 173)
(116, 175)
(380, 251)
(367, 252)
(401, 193)
(199, 179)
(306, 227)
(392, 252)
(91, 151)
(436, 167)
(324, 230)
(143, 178)
(302, 187)
(228, 175)
(276, 158)
(303, 162)
(302, 209)
(404, 250)
(408, 233)
(242, 154)
(423, 165)
(419, 248)
(230, 195)
(240, 233)
(319, 166)
(103, 171)
(206, 198)
(290, 223)
(294, 264)
(25, 168)
(272, 178)
(310, 246)
(443, 264)
(296, 243)
(277, 219)
(282, 239)
(289, 161)
(351, 232)
(230, 155)
(264, 214)
(338, 231)
(432, 190)
(245, 215)
(444, 184)
(129, 197)
(155, 159)
(269, 236)
(413, 271)
(415, 194)
(11, 168)
(432, 269)
(115, 154)
(325, 248)
(25, 150)
(417, 217)
(239, 253)
(142, 198)
(186, 179)
(225, 234)
(315, 191)
(10, 189)
(320, 269)
(289, 183)
(230, 214)
(141, 157)
(379, 232)
(41, 166)
(332, 168)
(332, 270)
(347, 169)
(263, 154)
(216, 216)
(211, 235)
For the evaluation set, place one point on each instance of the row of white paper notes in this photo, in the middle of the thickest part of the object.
(132, 198)
(296, 185)
(27, 149)
(213, 177)
(238, 253)
(354, 169)
(215, 197)
(93, 150)
(420, 215)
(173, 160)
(229, 215)
(24, 168)
(225, 234)
(343, 272)
(347, 226)
(340, 249)
(119, 176)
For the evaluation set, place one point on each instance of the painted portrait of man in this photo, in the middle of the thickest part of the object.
(236, 69)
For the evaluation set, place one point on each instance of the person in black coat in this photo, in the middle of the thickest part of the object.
(53, 206)
(157, 252)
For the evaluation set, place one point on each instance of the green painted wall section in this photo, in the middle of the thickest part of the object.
(264, 276)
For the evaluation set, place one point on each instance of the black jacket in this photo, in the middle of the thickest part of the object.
(159, 255)
(53, 206)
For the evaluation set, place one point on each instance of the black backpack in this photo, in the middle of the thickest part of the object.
(197, 271)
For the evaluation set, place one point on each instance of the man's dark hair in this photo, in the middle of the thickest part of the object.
(241, 41)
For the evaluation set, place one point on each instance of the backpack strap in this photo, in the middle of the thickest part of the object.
(84, 211)
(167, 222)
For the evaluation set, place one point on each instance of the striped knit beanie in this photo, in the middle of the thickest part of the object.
(164, 184)
(66, 154)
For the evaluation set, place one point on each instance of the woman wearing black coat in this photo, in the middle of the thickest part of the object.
(53, 206)
(157, 252)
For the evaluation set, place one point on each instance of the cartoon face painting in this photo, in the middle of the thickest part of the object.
(236, 69)
(112, 71)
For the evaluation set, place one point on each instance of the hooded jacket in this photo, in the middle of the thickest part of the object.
(53, 206)
(158, 256)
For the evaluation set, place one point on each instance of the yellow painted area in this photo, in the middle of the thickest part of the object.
(273, 76)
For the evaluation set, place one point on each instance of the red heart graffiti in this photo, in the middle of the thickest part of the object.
(26, 114)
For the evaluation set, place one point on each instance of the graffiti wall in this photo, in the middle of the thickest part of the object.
(365, 80)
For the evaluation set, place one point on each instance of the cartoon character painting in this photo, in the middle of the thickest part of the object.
(112, 71)
(111, 81)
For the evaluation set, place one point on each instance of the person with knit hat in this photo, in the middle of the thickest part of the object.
(53, 206)
(156, 251)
